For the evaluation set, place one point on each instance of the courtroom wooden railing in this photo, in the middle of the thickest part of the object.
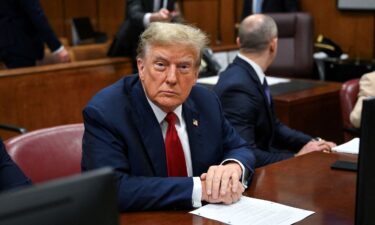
(50, 95)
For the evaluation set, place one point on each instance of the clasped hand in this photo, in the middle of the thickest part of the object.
(221, 184)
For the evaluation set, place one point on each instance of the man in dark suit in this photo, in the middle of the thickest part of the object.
(10, 174)
(246, 101)
(127, 127)
(24, 30)
(268, 6)
(140, 13)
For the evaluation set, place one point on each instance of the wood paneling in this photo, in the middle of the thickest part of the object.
(54, 10)
(205, 15)
(45, 96)
(81, 8)
(353, 31)
(111, 15)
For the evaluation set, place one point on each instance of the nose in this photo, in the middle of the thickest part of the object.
(172, 75)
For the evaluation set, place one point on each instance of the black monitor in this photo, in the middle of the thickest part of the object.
(85, 199)
(365, 196)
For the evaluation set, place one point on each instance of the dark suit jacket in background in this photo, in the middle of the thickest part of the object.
(270, 6)
(126, 39)
(10, 174)
(122, 131)
(24, 30)
(245, 105)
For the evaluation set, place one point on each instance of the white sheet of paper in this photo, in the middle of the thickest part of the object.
(276, 80)
(208, 80)
(351, 146)
(270, 80)
(253, 211)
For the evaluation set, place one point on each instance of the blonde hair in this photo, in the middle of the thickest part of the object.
(159, 33)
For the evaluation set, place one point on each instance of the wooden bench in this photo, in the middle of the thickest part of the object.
(78, 53)
(50, 95)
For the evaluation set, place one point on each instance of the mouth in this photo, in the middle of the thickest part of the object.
(168, 93)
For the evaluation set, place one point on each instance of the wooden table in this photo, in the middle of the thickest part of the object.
(314, 110)
(305, 182)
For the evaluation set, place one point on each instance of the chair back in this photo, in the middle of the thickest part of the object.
(295, 46)
(48, 153)
(348, 98)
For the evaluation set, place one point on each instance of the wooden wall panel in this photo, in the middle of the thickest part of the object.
(81, 8)
(227, 22)
(111, 15)
(54, 11)
(205, 15)
(353, 31)
(45, 96)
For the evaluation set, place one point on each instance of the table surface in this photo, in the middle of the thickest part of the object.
(305, 182)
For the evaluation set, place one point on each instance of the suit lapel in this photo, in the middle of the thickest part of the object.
(250, 70)
(193, 128)
(149, 130)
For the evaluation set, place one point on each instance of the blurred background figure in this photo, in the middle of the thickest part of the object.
(24, 30)
(366, 90)
(140, 13)
(268, 6)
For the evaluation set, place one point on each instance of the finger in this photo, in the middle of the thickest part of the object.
(216, 181)
(225, 179)
(209, 177)
(203, 176)
(235, 181)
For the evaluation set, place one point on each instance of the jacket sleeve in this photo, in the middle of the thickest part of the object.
(11, 175)
(103, 147)
(35, 12)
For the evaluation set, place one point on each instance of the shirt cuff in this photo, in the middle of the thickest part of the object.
(58, 50)
(245, 173)
(146, 19)
(197, 192)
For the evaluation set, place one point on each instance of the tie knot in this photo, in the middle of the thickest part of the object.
(171, 118)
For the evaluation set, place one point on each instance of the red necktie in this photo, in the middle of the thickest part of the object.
(175, 155)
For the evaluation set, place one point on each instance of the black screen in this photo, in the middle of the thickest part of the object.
(85, 199)
(365, 198)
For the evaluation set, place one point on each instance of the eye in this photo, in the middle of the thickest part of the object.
(184, 68)
(160, 66)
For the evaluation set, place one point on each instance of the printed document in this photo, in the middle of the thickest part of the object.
(253, 211)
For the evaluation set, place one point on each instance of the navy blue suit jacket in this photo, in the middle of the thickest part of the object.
(25, 28)
(10, 174)
(122, 131)
(245, 105)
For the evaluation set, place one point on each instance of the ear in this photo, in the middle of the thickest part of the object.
(238, 42)
(141, 66)
(273, 45)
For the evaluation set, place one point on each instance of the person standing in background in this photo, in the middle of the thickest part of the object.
(140, 13)
(268, 6)
(366, 89)
(24, 30)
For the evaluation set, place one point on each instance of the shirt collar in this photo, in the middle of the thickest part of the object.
(160, 114)
(255, 66)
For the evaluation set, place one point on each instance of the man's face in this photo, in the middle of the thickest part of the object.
(168, 73)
